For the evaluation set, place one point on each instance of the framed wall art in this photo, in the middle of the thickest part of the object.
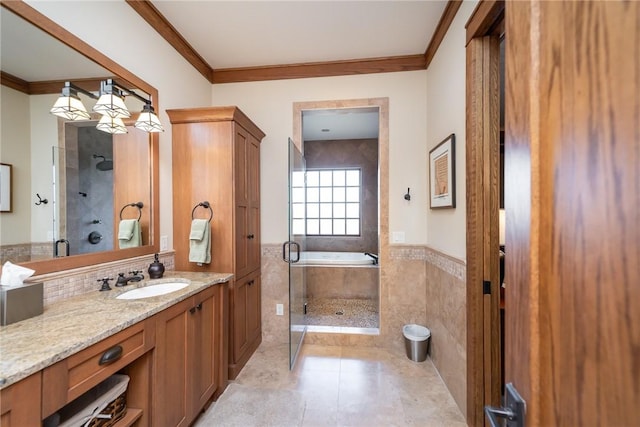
(5, 187)
(442, 174)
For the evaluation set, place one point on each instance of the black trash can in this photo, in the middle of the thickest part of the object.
(416, 342)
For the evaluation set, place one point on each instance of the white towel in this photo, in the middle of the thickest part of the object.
(200, 242)
(129, 234)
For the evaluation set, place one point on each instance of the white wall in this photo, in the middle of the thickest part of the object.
(144, 52)
(15, 226)
(446, 83)
(270, 105)
(44, 136)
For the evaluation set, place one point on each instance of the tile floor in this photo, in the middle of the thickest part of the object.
(353, 386)
(356, 312)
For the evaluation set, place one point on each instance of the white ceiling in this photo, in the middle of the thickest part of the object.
(232, 34)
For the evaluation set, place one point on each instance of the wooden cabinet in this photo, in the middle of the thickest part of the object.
(188, 354)
(246, 320)
(20, 403)
(216, 158)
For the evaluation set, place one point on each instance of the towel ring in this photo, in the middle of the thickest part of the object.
(138, 205)
(204, 204)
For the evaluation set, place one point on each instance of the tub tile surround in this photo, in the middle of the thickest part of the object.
(70, 283)
(418, 284)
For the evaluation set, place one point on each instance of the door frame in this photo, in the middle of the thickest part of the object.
(484, 29)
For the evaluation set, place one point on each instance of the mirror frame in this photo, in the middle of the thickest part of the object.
(39, 20)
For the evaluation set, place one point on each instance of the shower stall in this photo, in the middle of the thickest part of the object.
(334, 223)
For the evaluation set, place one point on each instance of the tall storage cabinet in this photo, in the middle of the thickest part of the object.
(216, 158)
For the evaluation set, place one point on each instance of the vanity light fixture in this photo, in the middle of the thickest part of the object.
(110, 104)
(69, 106)
(112, 125)
(147, 120)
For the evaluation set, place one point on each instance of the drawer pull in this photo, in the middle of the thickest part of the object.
(111, 355)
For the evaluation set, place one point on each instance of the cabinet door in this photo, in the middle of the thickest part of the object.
(204, 348)
(246, 314)
(239, 299)
(254, 308)
(170, 396)
(20, 403)
(253, 176)
(242, 200)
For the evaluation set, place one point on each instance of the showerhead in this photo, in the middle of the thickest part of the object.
(104, 164)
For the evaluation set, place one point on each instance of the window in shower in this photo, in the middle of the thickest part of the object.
(329, 204)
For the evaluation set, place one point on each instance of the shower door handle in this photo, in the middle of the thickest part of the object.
(284, 252)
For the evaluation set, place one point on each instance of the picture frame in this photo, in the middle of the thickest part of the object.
(442, 174)
(5, 187)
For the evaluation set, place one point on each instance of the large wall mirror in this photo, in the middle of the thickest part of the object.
(91, 180)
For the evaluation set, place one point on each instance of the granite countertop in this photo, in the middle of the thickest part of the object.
(71, 325)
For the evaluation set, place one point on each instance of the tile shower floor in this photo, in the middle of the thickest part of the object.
(356, 313)
(338, 386)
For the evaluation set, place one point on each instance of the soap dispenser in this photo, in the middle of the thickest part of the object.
(156, 269)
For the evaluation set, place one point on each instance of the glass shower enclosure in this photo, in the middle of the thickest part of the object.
(291, 252)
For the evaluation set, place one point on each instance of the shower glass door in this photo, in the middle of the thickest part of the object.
(292, 250)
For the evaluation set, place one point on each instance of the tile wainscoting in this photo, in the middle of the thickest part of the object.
(417, 285)
(69, 283)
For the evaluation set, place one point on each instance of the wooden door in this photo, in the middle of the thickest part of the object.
(170, 396)
(253, 307)
(572, 195)
(253, 175)
(242, 202)
(203, 372)
(239, 301)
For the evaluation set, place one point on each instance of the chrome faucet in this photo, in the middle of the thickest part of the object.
(136, 276)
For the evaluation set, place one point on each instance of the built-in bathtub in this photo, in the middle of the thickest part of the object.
(331, 259)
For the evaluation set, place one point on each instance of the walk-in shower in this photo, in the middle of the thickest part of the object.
(339, 218)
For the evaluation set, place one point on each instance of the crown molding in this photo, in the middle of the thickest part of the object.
(294, 71)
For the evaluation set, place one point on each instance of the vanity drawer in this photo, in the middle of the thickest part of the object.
(69, 378)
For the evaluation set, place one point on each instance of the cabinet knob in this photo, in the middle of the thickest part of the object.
(250, 236)
(199, 306)
(192, 310)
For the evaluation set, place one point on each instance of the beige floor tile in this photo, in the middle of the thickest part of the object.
(355, 386)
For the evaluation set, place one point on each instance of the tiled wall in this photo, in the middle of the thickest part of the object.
(25, 252)
(356, 153)
(79, 281)
(447, 320)
(417, 285)
(342, 282)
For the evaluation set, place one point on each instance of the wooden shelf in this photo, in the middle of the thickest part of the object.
(130, 417)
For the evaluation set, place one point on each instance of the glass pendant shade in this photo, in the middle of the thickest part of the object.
(69, 107)
(111, 125)
(148, 121)
(111, 105)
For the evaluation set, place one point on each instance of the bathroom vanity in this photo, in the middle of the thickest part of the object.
(173, 347)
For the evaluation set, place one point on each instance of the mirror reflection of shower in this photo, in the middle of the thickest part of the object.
(104, 164)
(87, 189)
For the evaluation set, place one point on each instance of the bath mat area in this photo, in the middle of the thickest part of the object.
(249, 406)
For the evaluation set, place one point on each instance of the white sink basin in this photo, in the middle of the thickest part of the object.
(153, 290)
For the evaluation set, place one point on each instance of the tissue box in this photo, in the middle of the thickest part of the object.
(20, 302)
